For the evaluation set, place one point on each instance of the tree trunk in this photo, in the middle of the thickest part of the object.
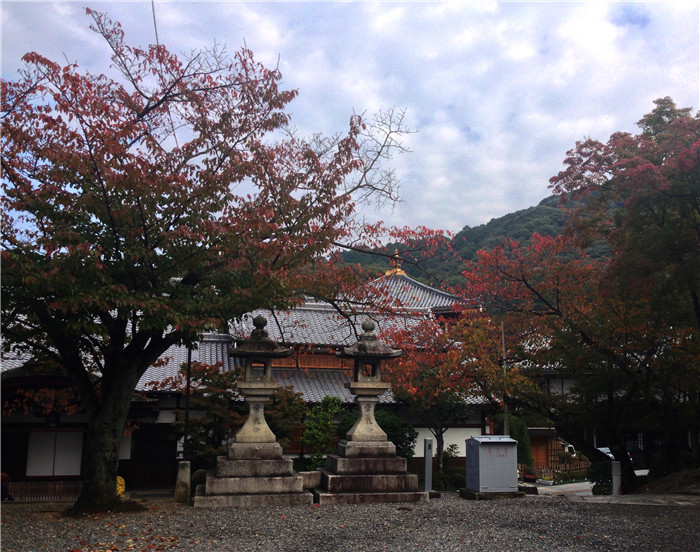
(102, 442)
(439, 435)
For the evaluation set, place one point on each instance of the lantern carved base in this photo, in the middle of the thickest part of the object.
(365, 472)
(254, 474)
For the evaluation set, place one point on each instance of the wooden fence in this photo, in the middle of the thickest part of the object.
(45, 491)
(552, 469)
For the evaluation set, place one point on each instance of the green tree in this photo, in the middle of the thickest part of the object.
(144, 209)
(319, 430)
(284, 413)
(517, 429)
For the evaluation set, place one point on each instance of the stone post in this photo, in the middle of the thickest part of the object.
(182, 486)
(616, 477)
(427, 465)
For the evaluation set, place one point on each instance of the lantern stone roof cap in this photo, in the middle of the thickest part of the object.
(368, 346)
(259, 344)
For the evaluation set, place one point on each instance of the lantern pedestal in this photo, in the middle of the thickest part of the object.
(367, 472)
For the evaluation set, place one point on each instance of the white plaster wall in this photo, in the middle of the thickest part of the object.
(166, 417)
(125, 447)
(456, 435)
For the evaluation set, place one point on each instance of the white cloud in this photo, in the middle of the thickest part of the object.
(498, 91)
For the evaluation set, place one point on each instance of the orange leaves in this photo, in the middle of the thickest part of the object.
(41, 402)
(434, 362)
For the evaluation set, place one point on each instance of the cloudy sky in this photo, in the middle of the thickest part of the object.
(497, 91)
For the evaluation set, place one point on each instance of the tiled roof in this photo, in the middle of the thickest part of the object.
(411, 295)
(316, 384)
(319, 323)
(211, 349)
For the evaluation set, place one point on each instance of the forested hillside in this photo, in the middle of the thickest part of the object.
(546, 218)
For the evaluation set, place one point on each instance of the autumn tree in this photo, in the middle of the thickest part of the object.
(142, 209)
(624, 370)
(433, 377)
(642, 197)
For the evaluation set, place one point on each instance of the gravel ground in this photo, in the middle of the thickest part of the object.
(448, 523)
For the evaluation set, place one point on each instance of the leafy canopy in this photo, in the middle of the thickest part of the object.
(146, 207)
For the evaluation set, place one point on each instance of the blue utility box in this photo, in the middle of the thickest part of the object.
(492, 464)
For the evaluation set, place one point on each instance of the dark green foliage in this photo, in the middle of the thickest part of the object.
(284, 412)
(517, 428)
(307, 463)
(449, 480)
(320, 427)
(440, 480)
(546, 219)
(570, 477)
(458, 480)
(402, 435)
(600, 474)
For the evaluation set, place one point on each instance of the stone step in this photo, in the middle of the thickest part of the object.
(253, 485)
(253, 500)
(377, 483)
(376, 465)
(321, 497)
(253, 468)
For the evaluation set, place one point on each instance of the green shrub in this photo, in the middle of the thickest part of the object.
(562, 477)
(440, 481)
(319, 428)
(458, 480)
(600, 474)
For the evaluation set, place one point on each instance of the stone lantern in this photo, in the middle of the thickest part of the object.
(365, 468)
(257, 353)
(255, 473)
(367, 385)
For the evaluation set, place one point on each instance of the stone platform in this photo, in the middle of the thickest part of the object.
(367, 473)
(476, 495)
(254, 474)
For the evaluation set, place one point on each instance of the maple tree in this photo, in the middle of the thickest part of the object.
(433, 376)
(143, 209)
(625, 370)
(642, 198)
